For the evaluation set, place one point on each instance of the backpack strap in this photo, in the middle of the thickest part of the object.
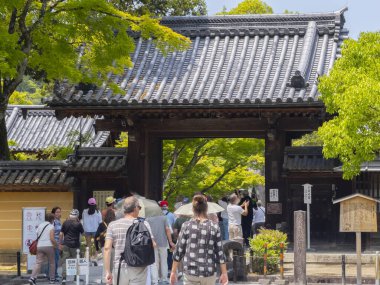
(42, 232)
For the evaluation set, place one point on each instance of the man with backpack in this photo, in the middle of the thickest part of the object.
(133, 242)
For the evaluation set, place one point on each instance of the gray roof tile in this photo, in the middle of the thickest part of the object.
(307, 159)
(40, 129)
(253, 59)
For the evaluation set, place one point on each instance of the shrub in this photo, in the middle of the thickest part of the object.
(273, 239)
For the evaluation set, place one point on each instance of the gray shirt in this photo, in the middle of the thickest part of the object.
(158, 225)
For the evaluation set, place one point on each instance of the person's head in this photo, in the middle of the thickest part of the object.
(74, 214)
(49, 217)
(110, 201)
(234, 199)
(131, 206)
(185, 200)
(110, 216)
(200, 206)
(259, 203)
(164, 205)
(91, 206)
(56, 211)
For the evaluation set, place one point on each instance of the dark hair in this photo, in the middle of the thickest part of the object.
(92, 209)
(55, 209)
(109, 216)
(49, 217)
(199, 205)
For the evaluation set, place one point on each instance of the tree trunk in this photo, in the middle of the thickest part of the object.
(4, 148)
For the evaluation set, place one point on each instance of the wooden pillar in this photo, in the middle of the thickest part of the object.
(135, 160)
(274, 157)
(153, 179)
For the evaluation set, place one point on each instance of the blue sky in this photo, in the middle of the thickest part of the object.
(362, 15)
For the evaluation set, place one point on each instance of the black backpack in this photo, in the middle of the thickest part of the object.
(138, 251)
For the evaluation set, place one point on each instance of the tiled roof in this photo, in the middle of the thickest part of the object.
(104, 159)
(307, 159)
(233, 61)
(369, 166)
(34, 128)
(33, 174)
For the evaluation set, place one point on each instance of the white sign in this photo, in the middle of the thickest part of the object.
(83, 266)
(71, 266)
(273, 195)
(307, 193)
(31, 218)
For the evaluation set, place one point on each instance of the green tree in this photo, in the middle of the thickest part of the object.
(212, 166)
(351, 92)
(73, 40)
(310, 139)
(249, 7)
(160, 8)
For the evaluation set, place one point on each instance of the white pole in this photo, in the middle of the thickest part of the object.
(88, 264)
(308, 226)
(377, 269)
(78, 278)
(359, 258)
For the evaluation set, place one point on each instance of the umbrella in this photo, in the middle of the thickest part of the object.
(149, 208)
(187, 209)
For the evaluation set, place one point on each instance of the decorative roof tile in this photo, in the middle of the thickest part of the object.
(40, 173)
(233, 60)
(307, 159)
(104, 159)
(34, 128)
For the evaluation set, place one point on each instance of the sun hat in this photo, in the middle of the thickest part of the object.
(74, 213)
(92, 201)
(164, 204)
(110, 200)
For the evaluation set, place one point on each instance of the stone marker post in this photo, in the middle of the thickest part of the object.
(300, 248)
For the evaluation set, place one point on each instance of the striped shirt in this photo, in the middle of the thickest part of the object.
(117, 231)
(200, 246)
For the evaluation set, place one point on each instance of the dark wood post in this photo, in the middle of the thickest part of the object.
(135, 161)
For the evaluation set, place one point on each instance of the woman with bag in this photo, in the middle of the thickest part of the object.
(45, 248)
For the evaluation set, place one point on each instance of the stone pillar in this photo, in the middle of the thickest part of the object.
(300, 248)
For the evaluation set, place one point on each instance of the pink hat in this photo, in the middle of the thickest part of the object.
(92, 201)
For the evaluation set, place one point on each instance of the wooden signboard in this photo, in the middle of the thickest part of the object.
(357, 214)
(274, 208)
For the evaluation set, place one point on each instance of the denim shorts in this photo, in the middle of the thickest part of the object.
(90, 234)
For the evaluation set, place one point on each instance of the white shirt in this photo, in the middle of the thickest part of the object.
(45, 237)
(91, 222)
(234, 214)
(223, 214)
(259, 215)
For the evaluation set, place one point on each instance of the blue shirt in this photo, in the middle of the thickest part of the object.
(171, 218)
(57, 229)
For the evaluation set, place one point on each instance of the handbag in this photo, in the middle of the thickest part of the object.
(33, 245)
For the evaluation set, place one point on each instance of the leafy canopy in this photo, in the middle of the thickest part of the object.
(352, 93)
(249, 7)
(211, 166)
(163, 7)
(48, 36)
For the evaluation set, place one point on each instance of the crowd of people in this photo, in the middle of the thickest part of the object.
(187, 246)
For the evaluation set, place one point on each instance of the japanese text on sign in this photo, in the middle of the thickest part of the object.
(273, 195)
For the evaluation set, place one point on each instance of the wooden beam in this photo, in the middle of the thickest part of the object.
(113, 125)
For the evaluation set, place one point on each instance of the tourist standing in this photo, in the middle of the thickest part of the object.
(200, 247)
(100, 238)
(224, 215)
(91, 218)
(110, 204)
(116, 235)
(234, 217)
(56, 211)
(246, 220)
(163, 238)
(45, 249)
(258, 218)
(69, 239)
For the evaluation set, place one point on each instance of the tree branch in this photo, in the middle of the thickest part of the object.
(220, 178)
(175, 155)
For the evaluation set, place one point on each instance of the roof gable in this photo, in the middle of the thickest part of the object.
(233, 60)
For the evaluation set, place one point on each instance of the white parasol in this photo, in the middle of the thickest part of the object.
(149, 208)
(187, 209)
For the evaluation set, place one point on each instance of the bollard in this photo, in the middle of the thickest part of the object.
(252, 266)
(265, 258)
(234, 266)
(18, 263)
(78, 278)
(87, 256)
(377, 269)
(343, 269)
(282, 260)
